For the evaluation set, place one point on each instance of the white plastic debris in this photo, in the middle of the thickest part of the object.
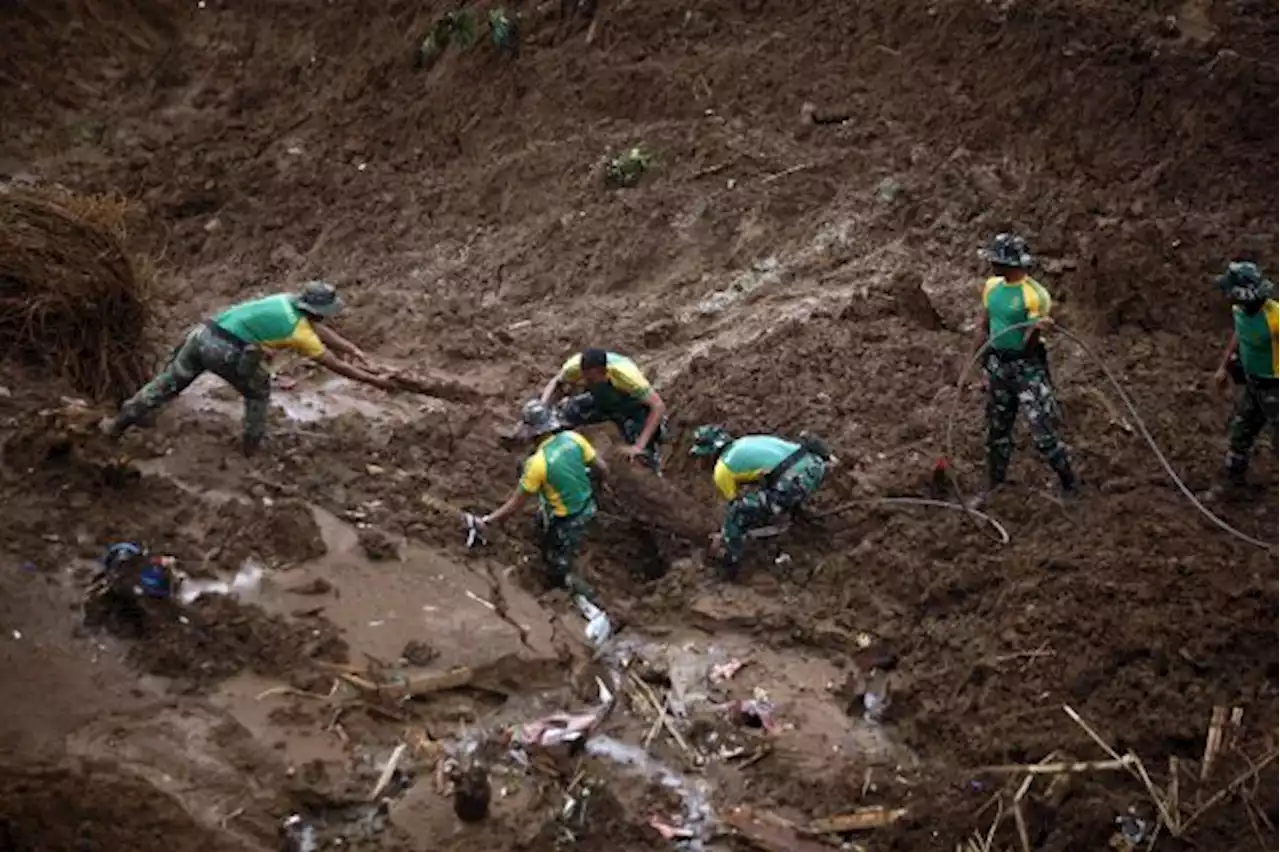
(599, 628)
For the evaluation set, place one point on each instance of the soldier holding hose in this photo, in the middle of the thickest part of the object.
(1253, 354)
(1016, 365)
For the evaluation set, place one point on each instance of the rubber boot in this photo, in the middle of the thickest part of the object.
(1069, 484)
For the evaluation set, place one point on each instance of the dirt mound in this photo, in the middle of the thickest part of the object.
(66, 440)
(71, 297)
(214, 637)
(93, 809)
(651, 502)
(283, 532)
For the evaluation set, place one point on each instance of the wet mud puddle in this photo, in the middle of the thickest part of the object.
(425, 613)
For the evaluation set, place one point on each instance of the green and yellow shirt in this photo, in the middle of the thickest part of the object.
(749, 459)
(557, 473)
(273, 322)
(1257, 337)
(625, 382)
(1009, 303)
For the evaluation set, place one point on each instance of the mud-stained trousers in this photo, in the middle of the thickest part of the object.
(1256, 409)
(207, 349)
(582, 410)
(765, 506)
(1022, 383)
(560, 539)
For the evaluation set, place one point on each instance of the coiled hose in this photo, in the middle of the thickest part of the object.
(1128, 404)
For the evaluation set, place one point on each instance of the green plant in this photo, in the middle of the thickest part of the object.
(503, 30)
(626, 169)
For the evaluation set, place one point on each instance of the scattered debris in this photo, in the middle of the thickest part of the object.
(859, 819)
(754, 713)
(724, 671)
(298, 835)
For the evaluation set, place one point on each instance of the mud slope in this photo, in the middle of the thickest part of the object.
(801, 256)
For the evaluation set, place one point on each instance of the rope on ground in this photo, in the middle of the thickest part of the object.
(1133, 411)
(919, 501)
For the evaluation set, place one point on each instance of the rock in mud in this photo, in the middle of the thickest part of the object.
(418, 653)
(318, 586)
(379, 545)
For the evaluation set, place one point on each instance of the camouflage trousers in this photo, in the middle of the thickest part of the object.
(560, 539)
(1022, 383)
(764, 506)
(200, 351)
(1256, 409)
(582, 409)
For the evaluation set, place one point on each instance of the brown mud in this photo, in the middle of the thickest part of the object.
(771, 273)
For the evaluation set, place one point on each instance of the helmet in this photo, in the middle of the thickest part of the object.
(1007, 250)
(318, 298)
(537, 418)
(119, 554)
(1243, 282)
(709, 441)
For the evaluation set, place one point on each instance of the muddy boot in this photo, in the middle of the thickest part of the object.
(1069, 486)
(250, 445)
(979, 501)
(580, 587)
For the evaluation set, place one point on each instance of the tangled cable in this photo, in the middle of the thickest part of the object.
(1128, 404)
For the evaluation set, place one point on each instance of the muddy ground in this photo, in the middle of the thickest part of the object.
(772, 273)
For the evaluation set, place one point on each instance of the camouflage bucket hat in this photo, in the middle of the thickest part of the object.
(709, 440)
(318, 298)
(1243, 282)
(1007, 250)
(537, 418)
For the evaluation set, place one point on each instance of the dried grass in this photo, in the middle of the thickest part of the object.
(72, 299)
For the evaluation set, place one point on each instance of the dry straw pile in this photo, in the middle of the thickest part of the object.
(72, 300)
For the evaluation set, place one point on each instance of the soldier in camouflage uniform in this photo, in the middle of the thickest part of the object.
(613, 390)
(1252, 355)
(233, 346)
(785, 475)
(563, 472)
(1017, 365)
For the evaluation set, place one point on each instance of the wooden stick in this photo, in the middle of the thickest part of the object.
(1063, 768)
(1212, 741)
(657, 723)
(1024, 837)
(387, 771)
(771, 178)
(1093, 735)
(1135, 768)
(1221, 794)
(647, 692)
(1156, 797)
